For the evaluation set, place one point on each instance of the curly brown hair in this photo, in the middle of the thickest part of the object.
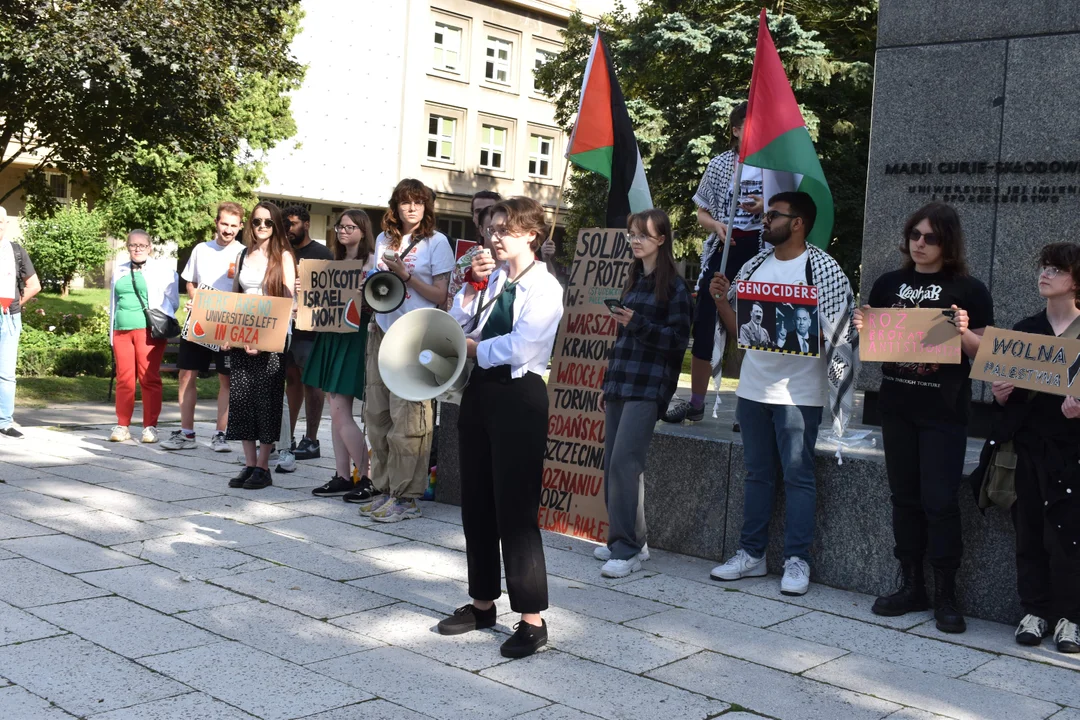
(945, 223)
(524, 215)
(277, 246)
(409, 189)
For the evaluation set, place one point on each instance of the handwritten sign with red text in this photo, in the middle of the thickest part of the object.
(909, 335)
(237, 319)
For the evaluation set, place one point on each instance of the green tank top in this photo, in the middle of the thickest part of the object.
(129, 311)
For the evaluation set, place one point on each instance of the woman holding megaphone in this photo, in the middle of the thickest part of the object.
(400, 430)
(510, 326)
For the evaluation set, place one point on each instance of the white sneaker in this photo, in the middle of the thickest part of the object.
(796, 578)
(149, 434)
(286, 462)
(604, 553)
(373, 504)
(218, 443)
(1067, 636)
(741, 564)
(178, 441)
(621, 568)
(120, 433)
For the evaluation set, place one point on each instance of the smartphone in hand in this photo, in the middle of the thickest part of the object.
(613, 304)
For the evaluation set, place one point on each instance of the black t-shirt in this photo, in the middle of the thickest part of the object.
(1045, 418)
(312, 251)
(24, 270)
(938, 393)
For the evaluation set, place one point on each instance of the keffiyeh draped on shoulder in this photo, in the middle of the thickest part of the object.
(836, 303)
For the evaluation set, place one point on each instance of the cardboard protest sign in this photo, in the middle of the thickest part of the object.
(330, 297)
(1035, 362)
(572, 498)
(236, 319)
(779, 318)
(185, 331)
(461, 247)
(909, 335)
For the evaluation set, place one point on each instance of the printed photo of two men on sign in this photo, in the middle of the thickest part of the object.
(788, 326)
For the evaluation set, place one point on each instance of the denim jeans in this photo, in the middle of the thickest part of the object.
(784, 434)
(10, 328)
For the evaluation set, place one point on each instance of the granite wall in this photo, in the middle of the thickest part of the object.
(694, 491)
(958, 89)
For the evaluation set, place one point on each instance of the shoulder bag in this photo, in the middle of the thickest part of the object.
(162, 325)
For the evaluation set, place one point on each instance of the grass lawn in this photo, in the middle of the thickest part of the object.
(77, 302)
(39, 392)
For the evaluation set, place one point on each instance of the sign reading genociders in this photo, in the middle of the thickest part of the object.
(1036, 362)
(572, 498)
(774, 317)
(914, 335)
(330, 295)
(236, 320)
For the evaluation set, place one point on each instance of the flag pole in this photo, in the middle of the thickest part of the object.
(731, 216)
(558, 198)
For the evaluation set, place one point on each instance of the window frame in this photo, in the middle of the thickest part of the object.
(537, 52)
(49, 177)
(444, 23)
(439, 138)
(464, 23)
(538, 157)
(489, 147)
(493, 43)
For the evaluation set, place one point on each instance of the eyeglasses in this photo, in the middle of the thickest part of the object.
(929, 238)
(347, 229)
(260, 223)
(643, 238)
(500, 232)
(773, 214)
(133, 248)
(1051, 272)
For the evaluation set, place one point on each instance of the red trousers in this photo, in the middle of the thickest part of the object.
(137, 355)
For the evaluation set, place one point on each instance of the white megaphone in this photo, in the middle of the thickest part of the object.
(384, 292)
(423, 356)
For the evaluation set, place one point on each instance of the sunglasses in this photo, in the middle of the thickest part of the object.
(929, 238)
(773, 214)
(260, 223)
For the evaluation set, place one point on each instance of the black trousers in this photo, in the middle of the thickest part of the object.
(502, 435)
(925, 463)
(1047, 579)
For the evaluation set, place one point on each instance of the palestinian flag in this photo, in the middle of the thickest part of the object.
(603, 139)
(775, 138)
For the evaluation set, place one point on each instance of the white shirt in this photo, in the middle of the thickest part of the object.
(538, 308)
(212, 265)
(161, 288)
(775, 378)
(432, 256)
(751, 183)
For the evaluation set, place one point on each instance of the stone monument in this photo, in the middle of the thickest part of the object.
(976, 104)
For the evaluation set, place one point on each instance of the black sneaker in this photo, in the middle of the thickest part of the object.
(361, 492)
(337, 486)
(695, 414)
(11, 432)
(243, 477)
(259, 479)
(467, 618)
(526, 640)
(308, 449)
(676, 411)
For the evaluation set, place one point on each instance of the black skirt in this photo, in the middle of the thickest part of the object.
(256, 395)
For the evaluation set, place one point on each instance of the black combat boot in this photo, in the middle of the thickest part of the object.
(946, 612)
(910, 594)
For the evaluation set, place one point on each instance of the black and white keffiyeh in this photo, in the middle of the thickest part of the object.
(711, 196)
(836, 305)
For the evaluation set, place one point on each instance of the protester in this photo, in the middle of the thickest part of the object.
(212, 266)
(257, 393)
(642, 374)
(399, 430)
(502, 426)
(781, 396)
(1045, 431)
(337, 364)
(139, 284)
(802, 340)
(298, 224)
(713, 200)
(924, 413)
(18, 284)
(481, 201)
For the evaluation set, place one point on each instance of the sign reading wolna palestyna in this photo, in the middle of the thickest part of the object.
(1036, 362)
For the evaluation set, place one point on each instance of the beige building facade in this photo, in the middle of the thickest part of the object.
(439, 90)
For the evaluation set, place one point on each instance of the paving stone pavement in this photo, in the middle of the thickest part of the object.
(135, 585)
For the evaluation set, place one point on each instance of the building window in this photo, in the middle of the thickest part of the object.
(540, 155)
(59, 186)
(492, 147)
(497, 67)
(453, 228)
(543, 57)
(447, 47)
(441, 132)
(691, 270)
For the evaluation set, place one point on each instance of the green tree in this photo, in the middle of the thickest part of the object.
(684, 65)
(70, 242)
(92, 85)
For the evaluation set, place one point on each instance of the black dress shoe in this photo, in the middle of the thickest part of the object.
(243, 477)
(526, 640)
(11, 432)
(259, 479)
(466, 619)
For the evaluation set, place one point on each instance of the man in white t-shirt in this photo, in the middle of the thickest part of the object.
(212, 265)
(781, 400)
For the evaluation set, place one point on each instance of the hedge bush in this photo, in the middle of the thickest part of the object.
(64, 344)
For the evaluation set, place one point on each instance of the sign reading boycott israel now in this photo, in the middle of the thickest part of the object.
(236, 320)
(572, 498)
(909, 335)
(330, 295)
(1036, 362)
(774, 317)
